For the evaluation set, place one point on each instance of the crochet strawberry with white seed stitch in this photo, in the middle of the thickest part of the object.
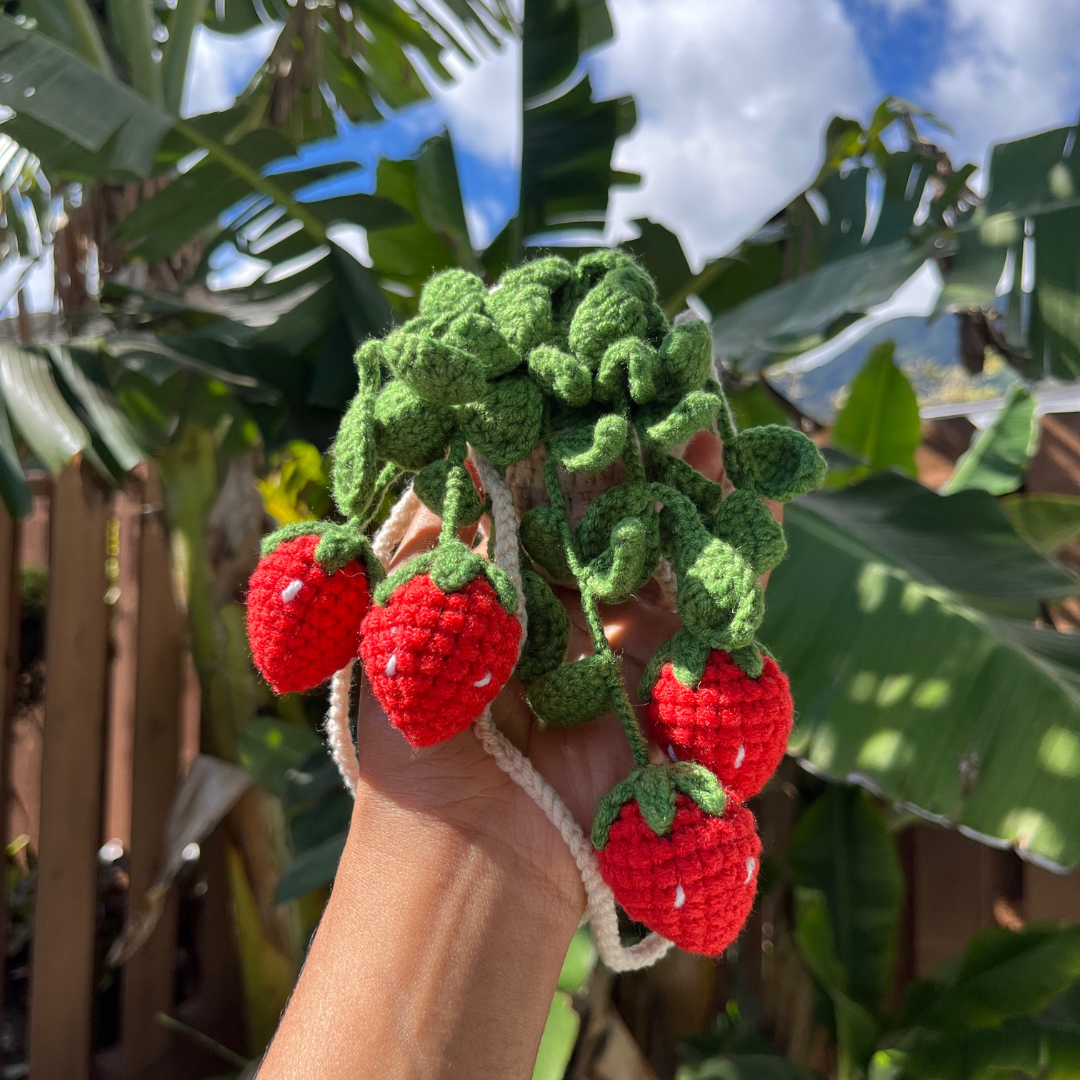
(679, 855)
(734, 724)
(441, 640)
(436, 660)
(303, 611)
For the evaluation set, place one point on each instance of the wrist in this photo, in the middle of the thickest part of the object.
(462, 819)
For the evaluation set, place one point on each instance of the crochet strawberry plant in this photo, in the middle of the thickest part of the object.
(573, 385)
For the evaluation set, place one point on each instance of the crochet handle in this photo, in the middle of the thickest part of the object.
(601, 911)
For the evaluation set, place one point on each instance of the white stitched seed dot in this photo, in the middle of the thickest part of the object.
(750, 864)
(292, 590)
(483, 682)
(680, 897)
(391, 665)
(671, 752)
(740, 757)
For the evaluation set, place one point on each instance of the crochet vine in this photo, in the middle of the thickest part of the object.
(575, 370)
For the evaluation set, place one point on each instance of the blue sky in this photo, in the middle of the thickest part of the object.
(732, 96)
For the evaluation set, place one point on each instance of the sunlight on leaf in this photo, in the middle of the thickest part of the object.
(931, 694)
(872, 587)
(884, 750)
(1031, 828)
(893, 690)
(1059, 752)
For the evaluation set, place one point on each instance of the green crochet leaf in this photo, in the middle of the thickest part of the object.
(705, 494)
(504, 422)
(409, 431)
(683, 535)
(522, 314)
(654, 788)
(775, 462)
(614, 308)
(478, 335)
(451, 566)
(573, 693)
(553, 272)
(629, 499)
(695, 411)
(590, 449)
(751, 658)
(340, 545)
(686, 357)
(745, 522)
(430, 487)
(549, 629)
(539, 532)
(561, 375)
(355, 466)
(630, 366)
(719, 598)
(628, 563)
(452, 292)
(433, 369)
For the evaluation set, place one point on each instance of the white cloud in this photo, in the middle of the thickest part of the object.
(732, 98)
(482, 107)
(221, 65)
(1009, 69)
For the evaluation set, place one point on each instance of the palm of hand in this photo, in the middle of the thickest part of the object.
(457, 782)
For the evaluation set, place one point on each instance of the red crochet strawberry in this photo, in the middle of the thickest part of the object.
(694, 886)
(678, 855)
(303, 615)
(734, 725)
(436, 658)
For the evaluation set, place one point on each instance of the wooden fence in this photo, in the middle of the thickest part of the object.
(96, 762)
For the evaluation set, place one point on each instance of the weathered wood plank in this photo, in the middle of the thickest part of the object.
(149, 976)
(123, 544)
(62, 982)
(10, 610)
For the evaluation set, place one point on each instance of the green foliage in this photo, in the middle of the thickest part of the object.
(879, 423)
(1000, 454)
(1046, 522)
(843, 850)
(887, 616)
(270, 748)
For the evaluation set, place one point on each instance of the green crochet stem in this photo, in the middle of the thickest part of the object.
(386, 478)
(601, 647)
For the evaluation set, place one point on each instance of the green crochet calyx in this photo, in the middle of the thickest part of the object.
(655, 788)
(580, 361)
(339, 545)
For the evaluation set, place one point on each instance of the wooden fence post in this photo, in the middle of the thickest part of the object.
(62, 980)
(10, 611)
(149, 976)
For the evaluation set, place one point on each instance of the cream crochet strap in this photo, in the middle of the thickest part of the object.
(600, 903)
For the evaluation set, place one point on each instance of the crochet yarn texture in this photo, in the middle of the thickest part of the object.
(436, 660)
(694, 885)
(734, 725)
(576, 368)
(303, 622)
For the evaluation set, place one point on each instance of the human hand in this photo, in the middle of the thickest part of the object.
(458, 783)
